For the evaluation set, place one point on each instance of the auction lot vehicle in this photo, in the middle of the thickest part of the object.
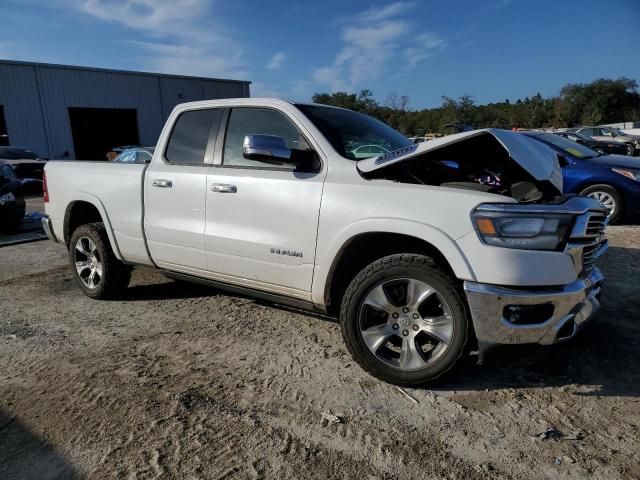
(614, 147)
(12, 205)
(420, 251)
(613, 180)
(25, 162)
(604, 134)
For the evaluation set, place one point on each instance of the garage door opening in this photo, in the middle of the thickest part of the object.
(4, 134)
(97, 131)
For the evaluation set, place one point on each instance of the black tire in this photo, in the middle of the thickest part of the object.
(594, 191)
(398, 268)
(115, 274)
(631, 149)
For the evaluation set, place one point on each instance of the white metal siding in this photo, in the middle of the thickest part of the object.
(37, 97)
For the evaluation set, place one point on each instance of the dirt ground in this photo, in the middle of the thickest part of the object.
(186, 382)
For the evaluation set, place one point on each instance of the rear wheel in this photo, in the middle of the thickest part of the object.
(98, 272)
(403, 319)
(609, 197)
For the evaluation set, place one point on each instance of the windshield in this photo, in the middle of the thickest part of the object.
(619, 132)
(572, 148)
(354, 135)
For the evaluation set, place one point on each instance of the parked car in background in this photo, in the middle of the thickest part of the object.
(597, 145)
(26, 163)
(12, 206)
(604, 134)
(367, 151)
(614, 180)
(135, 155)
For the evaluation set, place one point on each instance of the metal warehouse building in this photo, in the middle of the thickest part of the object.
(62, 111)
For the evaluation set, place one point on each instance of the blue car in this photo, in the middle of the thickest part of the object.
(614, 180)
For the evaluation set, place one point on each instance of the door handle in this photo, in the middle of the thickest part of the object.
(160, 182)
(223, 188)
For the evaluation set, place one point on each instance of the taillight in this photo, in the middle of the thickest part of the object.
(45, 190)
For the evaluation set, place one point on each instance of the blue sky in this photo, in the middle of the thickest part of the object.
(492, 49)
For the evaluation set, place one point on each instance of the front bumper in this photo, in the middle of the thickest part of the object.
(47, 226)
(563, 310)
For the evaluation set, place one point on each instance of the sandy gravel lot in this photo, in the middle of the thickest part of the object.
(186, 382)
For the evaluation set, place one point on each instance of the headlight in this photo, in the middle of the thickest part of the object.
(631, 174)
(523, 231)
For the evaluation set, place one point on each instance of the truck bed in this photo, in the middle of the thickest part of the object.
(115, 189)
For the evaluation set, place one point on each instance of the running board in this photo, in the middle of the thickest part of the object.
(246, 291)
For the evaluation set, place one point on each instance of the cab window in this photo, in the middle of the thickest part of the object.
(190, 136)
(257, 121)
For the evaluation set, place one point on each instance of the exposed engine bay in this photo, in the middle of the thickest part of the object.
(479, 163)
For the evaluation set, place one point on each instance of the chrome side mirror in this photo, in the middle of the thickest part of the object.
(266, 148)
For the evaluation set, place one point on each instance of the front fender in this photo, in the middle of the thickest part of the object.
(95, 201)
(327, 256)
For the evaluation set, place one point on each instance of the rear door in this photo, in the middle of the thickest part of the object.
(262, 220)
(175, 192)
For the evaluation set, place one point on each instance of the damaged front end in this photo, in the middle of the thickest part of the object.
(491, 160)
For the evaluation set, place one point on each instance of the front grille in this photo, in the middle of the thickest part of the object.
(587, 240)
(596, 224)
(594, 230)
(589, 256)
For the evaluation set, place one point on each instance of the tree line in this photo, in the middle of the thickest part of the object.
(599, 102)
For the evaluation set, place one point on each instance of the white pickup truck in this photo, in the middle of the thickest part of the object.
(421, 250)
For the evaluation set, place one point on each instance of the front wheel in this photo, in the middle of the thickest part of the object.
(609, 197)
(630, 149)
(403, 320)
(98, 272)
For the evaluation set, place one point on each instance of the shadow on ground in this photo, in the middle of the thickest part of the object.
(167, 291)
(26, 456)
(602, 360)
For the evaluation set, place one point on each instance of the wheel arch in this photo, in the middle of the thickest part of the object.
(593, 182)
(87, 208)
(352, 252)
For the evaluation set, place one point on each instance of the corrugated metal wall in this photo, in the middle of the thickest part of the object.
(19, 96)
(36, 99)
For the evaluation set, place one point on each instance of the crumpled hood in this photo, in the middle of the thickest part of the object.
(540, 161)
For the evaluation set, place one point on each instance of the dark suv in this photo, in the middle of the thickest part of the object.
(12, 204)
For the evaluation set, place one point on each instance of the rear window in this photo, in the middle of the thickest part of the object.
(190, 136)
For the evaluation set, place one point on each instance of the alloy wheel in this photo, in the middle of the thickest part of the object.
(606, 199)
(406, 323)
(88, 263)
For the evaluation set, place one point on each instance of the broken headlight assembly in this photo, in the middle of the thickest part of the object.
(524, 231)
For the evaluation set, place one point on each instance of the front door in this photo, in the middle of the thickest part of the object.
(175, 193)
(262, 220)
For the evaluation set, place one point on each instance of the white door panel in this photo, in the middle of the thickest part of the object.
(266, 230)
(175, 215)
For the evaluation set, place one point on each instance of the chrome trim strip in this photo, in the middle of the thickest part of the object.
(47, 226)
(578, 302)
(573, 205)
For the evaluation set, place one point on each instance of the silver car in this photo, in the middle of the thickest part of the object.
(607, 134)
(135, 155)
